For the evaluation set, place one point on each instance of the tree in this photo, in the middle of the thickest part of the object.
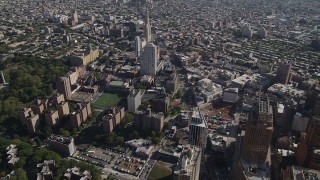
(20, 174)
(64, 132)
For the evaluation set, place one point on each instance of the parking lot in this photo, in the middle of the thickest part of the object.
(120, 164)
(98, 157)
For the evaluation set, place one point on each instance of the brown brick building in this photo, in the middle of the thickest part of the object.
(147, 122)
(259, 131)
(114, 117)
(308, 151)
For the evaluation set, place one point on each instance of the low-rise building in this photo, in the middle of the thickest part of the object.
(75, 173)
(230, 95)
(12, 155)
(46, 169)
(62, 145)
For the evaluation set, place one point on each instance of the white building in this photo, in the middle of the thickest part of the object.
(198, 130)
(230, 95)
(149, 59)
(147, 28)
(134, 100)
(137, 46)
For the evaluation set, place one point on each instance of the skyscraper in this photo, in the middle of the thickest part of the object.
(259, 132)
(149, 59)
(198, 130)
(137, 47)
(147, 28)
(283, 73)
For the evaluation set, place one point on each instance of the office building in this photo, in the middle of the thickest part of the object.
(147, 121)
(259, 131)
(308, 151)
(198, 130)
(62, 145)
(112, 119)
(137, 47)
(283, 75)
(147, 28)
(149, 60)
(134, 100)
(188, 166)
(63, 86)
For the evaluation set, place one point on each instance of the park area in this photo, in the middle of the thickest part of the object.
(107, 100)
(160, 171)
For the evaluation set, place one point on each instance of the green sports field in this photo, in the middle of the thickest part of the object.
(106, 101)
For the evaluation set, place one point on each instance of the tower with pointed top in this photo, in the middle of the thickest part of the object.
(147, 28)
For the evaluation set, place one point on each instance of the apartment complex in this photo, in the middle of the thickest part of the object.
(148, 121)
(113, 118)
(84, 56)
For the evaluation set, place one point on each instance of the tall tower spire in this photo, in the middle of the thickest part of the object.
(147, 28)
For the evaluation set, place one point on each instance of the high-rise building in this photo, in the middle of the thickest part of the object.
(259, 131)
(114, 117)
(283, 75)
(255, 160)
(147, 121)
(137, 47)
(134, 100)
(147, 28)
(149, 59)
(308, 153)
(64, 86)
(32, 122)
(198, 130)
